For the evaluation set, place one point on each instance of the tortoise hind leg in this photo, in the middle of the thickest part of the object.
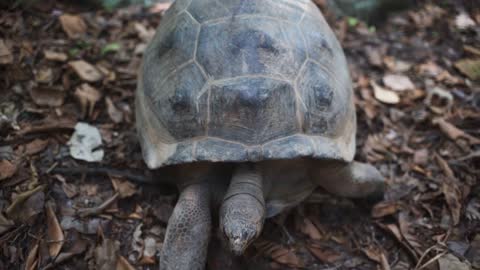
(351, 180)
(188, 231)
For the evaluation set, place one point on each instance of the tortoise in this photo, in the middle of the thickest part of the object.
(247, 106)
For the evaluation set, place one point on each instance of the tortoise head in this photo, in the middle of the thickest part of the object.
(241, 223)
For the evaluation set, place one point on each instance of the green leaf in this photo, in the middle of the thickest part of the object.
(352, 22)
(112, 47)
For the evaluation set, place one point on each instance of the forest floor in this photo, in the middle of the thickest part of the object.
(416, 82)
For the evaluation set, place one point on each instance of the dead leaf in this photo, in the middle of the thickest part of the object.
(44, 75)
(124, 188)
(86, 71)
(324, 254)
(26, 204)
(32, 260)
(384, 95)
(7, 169)
(115, 114)
(34, 147)
(377, 255)
(374, 56)
(405, 230)
(55, 56)
(464, 21)
(439, 100)
(106, 255)
(85, 143)
(421, 157)
(279, 253)
(123, 264)
(54, 233)
(453, 132)
(73, 25)
(469, 67)
(452, 195)
(6, 56)
(383, 209)
(309, 229)
(143, 33)
(87, 96)
(79, 247)
(47, 96)
(396, 65)
(398, 82)
(451, 262)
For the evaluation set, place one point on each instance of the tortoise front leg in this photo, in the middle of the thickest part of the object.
(188, 231)
(351, 180)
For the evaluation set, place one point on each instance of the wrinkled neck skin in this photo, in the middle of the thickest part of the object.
(242, 212)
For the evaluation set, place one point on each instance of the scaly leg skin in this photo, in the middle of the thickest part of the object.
(353, 180)
(243, 209)
(188, 231)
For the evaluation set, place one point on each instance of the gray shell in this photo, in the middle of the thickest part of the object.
(244, 80)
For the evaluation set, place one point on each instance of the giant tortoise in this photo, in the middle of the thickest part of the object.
(248, 106)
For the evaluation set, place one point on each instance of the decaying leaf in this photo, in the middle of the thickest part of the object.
(34, 147)
(124, 188)
(309, 229)
(383, 209)
(85, 142)
(279, 253)
(398, 82)
(6, 56)
(47, 96)
(384, 95)
(145, 34)
(115, 114)
(54, 233)
(32, 258)
(21, 209)
(55, 56)
(86, 71)
(7, 169)
(87, 96)
(324, 254)
(439, 100)
(453, 132)
(377, 255)
(73, 25)
(469, 67)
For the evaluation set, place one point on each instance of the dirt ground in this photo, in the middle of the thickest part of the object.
(417, 88)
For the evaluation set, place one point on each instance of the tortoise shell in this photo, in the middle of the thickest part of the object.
(244, 80)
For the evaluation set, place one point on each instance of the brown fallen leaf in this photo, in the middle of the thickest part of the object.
(310, 229)
(73, 25)
(34, 147)
(115, 114)
(324, 254)
(6, 56)
(87, 96)
(279, 253)
(405, 229)
(54, 233)
(32, 259)
(383, 209)
(26, 204)
(86, 71)
(143, 33)
(453, 132)
(469, 67)
(396, 65)
(79, 247)
(55, 56)
(384, 95)
(44, 75)
(376, 254)
(47, 96)
(124, 188)
(439, 100)
(7, 169)
(123, 264)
